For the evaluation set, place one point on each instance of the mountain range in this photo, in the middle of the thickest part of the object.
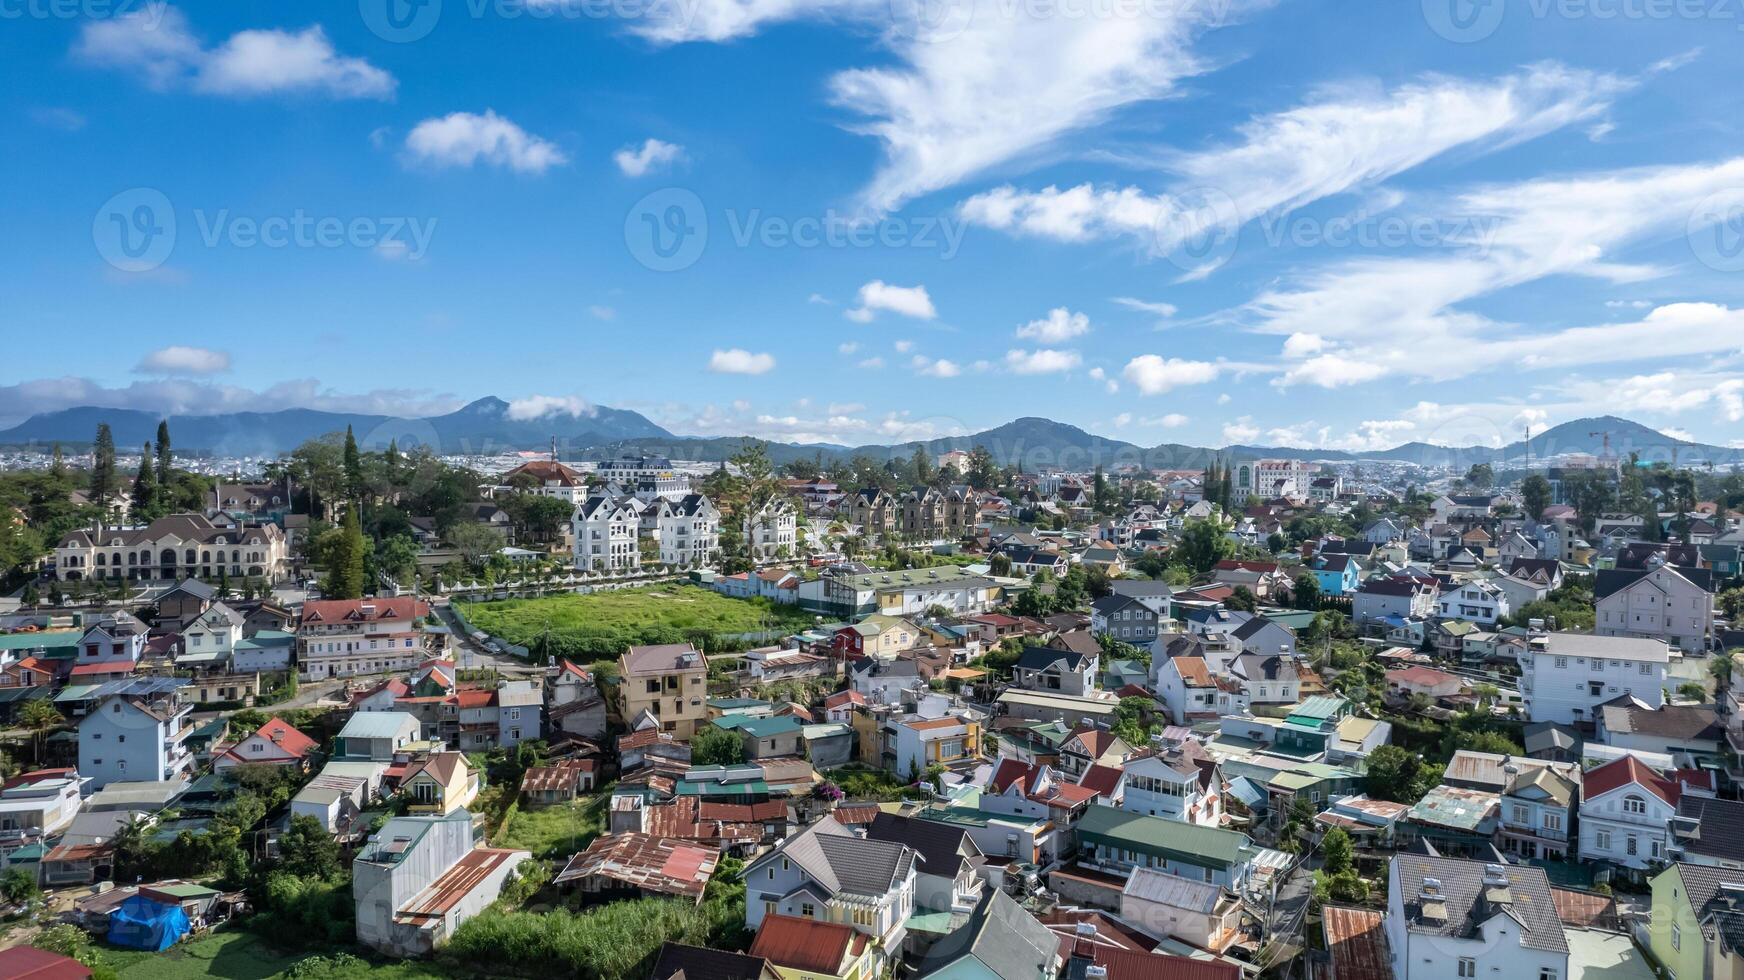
(488, 425)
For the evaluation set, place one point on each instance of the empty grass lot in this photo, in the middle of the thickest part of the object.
(602, 624)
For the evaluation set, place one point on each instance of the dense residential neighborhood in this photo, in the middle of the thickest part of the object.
(1047, 724)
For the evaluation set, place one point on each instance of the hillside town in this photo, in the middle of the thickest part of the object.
(939, 715)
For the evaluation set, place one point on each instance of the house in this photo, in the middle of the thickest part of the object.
(1449, 918)
(1177, 783)
(39, 805)
(346, 637)
(877, 635)
(109, 649)
(1696, 918)
(827, 874)
(1000, 941)
(948, 878)
(1626, 810)
(676, 961)
(1125, 618)
(544, 478)
(137, 735)
(439, 783)
(1262, 636)
(1268, 678)
(1337, 575)
(1473, 602)
(561, 783)
(1567, 678)
(1538, 809)
(376, 735)
(419, 878)
(1200, 913)
(669, 682)
(1665, 603)
(275, 743)
(1692, 733)
(1052, 670)
(800, 948)
(574, 704)
(1087, 746)
(606, 527)
(175, 547)
(1427, 681)
(914, 743)
(1264, 579)
(1455, 819)
(1187, 690)
(1381, 599)
(771, 530)
(1117, 841)
(264, 651)
(637, 865)
(1708, 831)
(685, 530)
(338, 795)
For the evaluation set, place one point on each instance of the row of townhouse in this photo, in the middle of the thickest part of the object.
(172, 548)
(920, 512)
(612, 528)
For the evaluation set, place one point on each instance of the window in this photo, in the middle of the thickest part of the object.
(1468, 967)
(1602, 840)
(1561, 662)
(1547, 973)
(807, 910)
(1676, 937)
(1634, 804)
(1632, 847)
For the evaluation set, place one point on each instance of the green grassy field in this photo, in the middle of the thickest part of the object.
(602, 624)
(236, 954)
(555, 831)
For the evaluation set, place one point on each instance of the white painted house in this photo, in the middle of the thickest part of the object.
(1452, 919)
(1567, 678)
(1625, 814)
(1659, 603)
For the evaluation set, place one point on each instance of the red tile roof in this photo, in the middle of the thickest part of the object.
(352, 610)
(807, 945)
(30, 963)
(1193, 670)
(86, 670)
(1612, 775)
(1094, 741)
(1126, 964)
(1104, 780)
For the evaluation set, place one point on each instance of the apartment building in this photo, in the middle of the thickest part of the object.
(137, 734)
(668, 682)
(348, 637)
(1672, 605)
(606, 527)
(1566, 679)
(172, 548)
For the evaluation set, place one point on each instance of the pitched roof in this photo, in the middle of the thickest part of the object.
(1356, 939)
(647, 863)
(830, 855)
(807, 945)
(1624, 771)
(662, 658)
(362, 610)
(1719, 830)
(1003, 937)
(1462, 890)
(701, 963)
(1191, 843)
(938, 845)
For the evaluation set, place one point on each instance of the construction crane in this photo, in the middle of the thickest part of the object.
(1607, 435)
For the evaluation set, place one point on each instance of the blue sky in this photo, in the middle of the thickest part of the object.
(1340, 224)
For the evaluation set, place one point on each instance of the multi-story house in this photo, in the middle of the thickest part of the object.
(1189, 692)
(1269, 478)
(877, 512)
(1089, 745)
(771, 530)
(667, 681)
(912, 743)
(1538, 811)
(347, 637)
(419, 878)
(1268, 679)
(686, 531)
(1694, 931)
(439, 783)
(574, 704)
(543, 477)
(1626, 810)
(1175, 784)
(1663, 603)
(275, 743)
(947, 879)
(1126, 619)
(1039, 792)
(213, 635)
(1571, 674)
(174, 547)
(109, 649)
(1452, 919)
(1388, 598)
(632, 471)
(138, 735)
(827, 874)
(1118, 841)
(1474, 602)
(605, 526)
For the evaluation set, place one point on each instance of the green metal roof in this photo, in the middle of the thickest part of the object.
(56, 640)
(1155, 836)
(712, 788)
(1322, 706)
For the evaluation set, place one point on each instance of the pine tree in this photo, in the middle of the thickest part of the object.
(353, 467)
(144, 486)
(163, 451)
(345, 560)
(102, 466)
(58, 468)
(393, 454)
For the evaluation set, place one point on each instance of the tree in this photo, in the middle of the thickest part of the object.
(473, 541)
(999, 565)
(1535, 492)
(345, 560)
(18, 884)
(1203, 545)
(1306, 591)
(145, 486)
(1481, 475)
(1337, 855)
(1731, 603)
(1692, 691)
(397, 557)
(923, 466)
(1395, 774)
(353, 468)
(712, 746)
(103, 482)
(163, 452)
(39, 715)
(307, 849)
(1242, 599)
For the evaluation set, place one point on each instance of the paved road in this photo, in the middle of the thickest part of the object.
(471, 654)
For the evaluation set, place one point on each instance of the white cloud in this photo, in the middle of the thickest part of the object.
(651, 156)
(1043, 361)
(157, 45)
(180, 396)
(842, 424)
(1303, 344)
(1241, 430)
(1059, 326)
(1154, 374)
(1145, 306)
(850, 408)
(847, 347)
(940, 368)
(1348, 138)
(545, 406)
(992, 83)
(1664, 392)
(1097, 374)
(1122, 420)
(877, 295)
(871, 363)
(1173, 420)
(602, 312)
(737, 360)
(1331, 371)
(462, 139)
(903, 346)
(1223, 399)
(186, 361)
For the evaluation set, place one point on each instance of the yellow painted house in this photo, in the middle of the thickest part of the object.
(1688, 903)
(439, 784)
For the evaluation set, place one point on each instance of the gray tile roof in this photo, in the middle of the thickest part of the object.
(839, 862)
(1009, 942)
(1462, 887)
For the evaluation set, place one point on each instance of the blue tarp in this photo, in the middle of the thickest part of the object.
(141, 923)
